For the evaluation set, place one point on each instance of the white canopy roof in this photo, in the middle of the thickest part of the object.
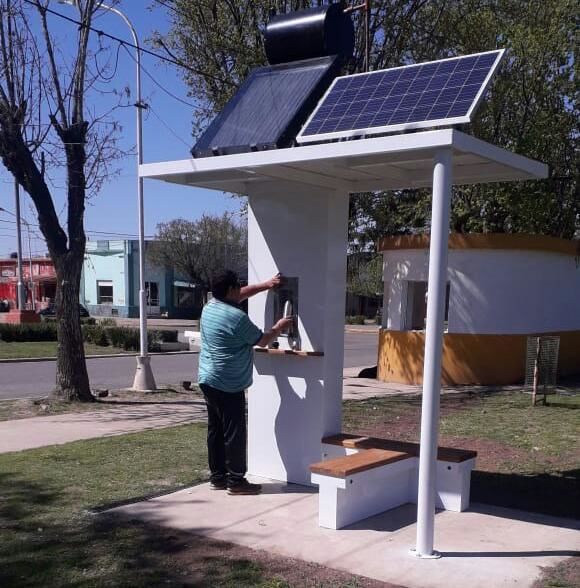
(382, 163)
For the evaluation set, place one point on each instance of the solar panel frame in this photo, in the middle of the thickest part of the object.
(269, 108)
(406, 75)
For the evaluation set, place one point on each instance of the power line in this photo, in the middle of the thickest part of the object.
(87, 231)
(154, 113)
(152, 78)
(103, 33)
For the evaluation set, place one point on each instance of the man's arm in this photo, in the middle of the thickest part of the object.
(275, 332)
(253, 289)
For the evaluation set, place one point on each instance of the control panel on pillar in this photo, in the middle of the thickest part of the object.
(286, 305)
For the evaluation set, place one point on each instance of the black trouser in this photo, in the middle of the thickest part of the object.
(226, 435)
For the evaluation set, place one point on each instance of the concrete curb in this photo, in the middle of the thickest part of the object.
(361, 331)
(110, 355)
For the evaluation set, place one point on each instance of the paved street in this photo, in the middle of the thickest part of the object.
(35, 379)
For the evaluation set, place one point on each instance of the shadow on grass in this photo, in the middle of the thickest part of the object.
(555, 494)
(563, 405)
(43, 544)
(47, 542)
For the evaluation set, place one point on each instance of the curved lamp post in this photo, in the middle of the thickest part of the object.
(144, 379)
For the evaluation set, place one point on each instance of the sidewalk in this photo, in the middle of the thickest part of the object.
(18, 435)
(355, 388)
(21, 434)
(129, 417)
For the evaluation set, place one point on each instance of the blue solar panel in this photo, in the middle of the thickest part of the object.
(425, 95)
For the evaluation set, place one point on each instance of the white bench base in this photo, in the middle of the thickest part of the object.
(344, 501)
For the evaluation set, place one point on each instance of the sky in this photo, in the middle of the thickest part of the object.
(166, 136)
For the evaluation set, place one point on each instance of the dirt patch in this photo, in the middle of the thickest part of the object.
(168, 395)
(400, 417)
(28, 408)
(563, 575)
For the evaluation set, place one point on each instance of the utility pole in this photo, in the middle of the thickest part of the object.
(20, 299)
(367, 35)
(365, 7)
(31, 276)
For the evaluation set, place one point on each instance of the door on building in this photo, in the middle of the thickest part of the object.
(152, 292)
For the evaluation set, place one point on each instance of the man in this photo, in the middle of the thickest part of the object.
(225, 371)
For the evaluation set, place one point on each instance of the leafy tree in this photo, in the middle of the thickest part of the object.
(198, 249)
(532, 107)
(364, 273)
(44, 124)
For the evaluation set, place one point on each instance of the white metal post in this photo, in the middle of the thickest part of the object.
(144, 379)
(20, 299)
(437, 286)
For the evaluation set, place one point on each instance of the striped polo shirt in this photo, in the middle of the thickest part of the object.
(227, 340)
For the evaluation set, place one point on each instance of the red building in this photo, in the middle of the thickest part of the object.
(40, 291)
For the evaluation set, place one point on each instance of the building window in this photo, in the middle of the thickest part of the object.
(415, 306)
(183, 297)
(152, 290)
(104, 292)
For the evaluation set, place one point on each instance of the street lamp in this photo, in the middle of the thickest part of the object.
(144, 379)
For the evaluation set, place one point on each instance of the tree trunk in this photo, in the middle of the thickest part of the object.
(72, 379)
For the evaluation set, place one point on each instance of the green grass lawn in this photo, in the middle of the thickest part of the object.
(50, 539)
(529, 458)
(48, 349)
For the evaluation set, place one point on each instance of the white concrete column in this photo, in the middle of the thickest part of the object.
(433, 350)
(301, 232)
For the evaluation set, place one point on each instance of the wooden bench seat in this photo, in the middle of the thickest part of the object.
(450, 454)
(342, 467)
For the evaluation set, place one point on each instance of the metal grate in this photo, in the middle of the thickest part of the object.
(542, 365)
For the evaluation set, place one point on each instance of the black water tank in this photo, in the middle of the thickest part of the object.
(306, 34)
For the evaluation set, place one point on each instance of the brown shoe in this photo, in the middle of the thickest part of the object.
(244, 488)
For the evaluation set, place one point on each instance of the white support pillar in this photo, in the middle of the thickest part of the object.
(300, 231)
(437, 284)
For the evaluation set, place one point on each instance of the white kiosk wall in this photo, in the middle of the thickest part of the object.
(296, 400)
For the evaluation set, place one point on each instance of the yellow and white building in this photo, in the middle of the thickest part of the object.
(501, 289)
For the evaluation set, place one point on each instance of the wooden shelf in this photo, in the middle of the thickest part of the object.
(289, 352)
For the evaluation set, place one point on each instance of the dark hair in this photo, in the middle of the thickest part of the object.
(222, 282)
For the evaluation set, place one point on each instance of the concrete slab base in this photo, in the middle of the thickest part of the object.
(144, 380)
(485, 547)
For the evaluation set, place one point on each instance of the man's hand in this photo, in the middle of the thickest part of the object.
(273, 282)
(253, 289)
(284, 323)
(279, 327)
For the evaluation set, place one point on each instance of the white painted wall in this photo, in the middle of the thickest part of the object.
(295, 401)
(493, 291)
